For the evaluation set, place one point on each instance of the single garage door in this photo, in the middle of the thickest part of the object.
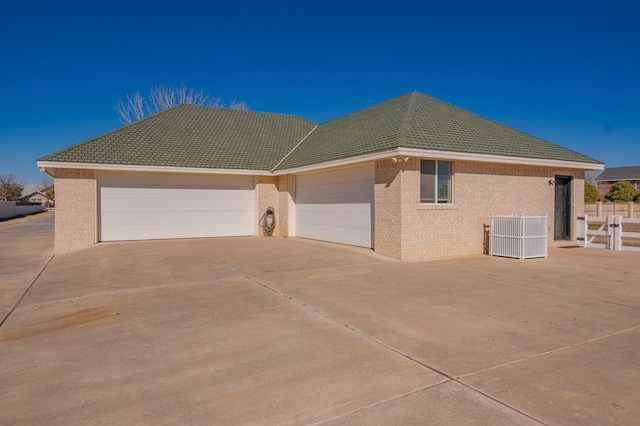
(147, 206)
(336, 206)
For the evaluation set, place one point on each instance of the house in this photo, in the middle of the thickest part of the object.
(611, 175)
(29, 188)
(34, 197)
(412, 178)
(37, 197)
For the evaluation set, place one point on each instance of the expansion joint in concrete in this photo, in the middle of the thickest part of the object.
(448, 377)
(26, 292)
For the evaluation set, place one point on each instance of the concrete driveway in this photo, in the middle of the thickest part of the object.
(288, 331)
(26, 246)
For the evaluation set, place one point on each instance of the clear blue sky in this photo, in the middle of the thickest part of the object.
(568, 72)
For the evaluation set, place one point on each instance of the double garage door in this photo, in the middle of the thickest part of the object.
(336, 206)
(143, 206)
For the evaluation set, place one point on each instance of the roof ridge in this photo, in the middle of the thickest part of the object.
(241, 111)
(407, 118)
(359, 110)
(294, 148)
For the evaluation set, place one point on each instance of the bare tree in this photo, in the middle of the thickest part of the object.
(10, 190)
(48, 189)
(132, 109)
(591, 175)
(45, 183)
(163, 97)
(235, 104)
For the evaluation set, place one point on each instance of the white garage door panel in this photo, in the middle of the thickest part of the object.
(155, 206)
(182, 219)
(342, 227)
(336, 206)
(142, 199)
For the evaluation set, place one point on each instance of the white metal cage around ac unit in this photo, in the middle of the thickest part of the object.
(521, 237)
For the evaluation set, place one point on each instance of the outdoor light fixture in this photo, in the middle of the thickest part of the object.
(400, 159)
(552, 182)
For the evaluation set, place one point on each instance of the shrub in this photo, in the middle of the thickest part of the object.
(591, 194)
(621, 191)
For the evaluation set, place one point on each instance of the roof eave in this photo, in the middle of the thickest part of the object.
(611, 179)
(44, 165)
(380, 155)
(442, 155)
(503, 159)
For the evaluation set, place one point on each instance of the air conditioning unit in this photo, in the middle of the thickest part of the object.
(520, 237)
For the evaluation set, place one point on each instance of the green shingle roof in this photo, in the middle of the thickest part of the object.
(415, 120)
(198, 136)
(195, 136)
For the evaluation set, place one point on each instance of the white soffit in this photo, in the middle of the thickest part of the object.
(43, 165)
(442, 155)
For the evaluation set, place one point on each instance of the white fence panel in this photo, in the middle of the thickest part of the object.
(25, 210)
(8, 209)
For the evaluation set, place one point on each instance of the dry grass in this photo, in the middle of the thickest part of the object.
(626, 227)
(23, 219)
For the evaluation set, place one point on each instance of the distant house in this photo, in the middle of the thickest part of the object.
(611, 175)
(35, 197)
(29, 188)
(412, 178)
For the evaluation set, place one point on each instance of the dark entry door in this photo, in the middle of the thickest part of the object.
(562, 230)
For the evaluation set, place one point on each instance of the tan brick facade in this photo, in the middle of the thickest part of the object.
(274, 191)
(403, 228)
(387, 235)
(76, 208)
(282, 212)
(416, 231)
(267, 195)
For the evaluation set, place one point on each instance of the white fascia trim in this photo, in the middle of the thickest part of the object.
(491, 158)
(443, 155)
(381, 155)
(42, 165)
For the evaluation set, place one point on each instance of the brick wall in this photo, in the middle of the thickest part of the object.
(480, 190)
(282, 213)
(267, 195)
(75, 209)
(388, 209)
(404, 229)
(605, 186)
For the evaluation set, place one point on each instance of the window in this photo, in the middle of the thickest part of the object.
(436, 182)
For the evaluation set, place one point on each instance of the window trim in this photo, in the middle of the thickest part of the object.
(451, 200)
